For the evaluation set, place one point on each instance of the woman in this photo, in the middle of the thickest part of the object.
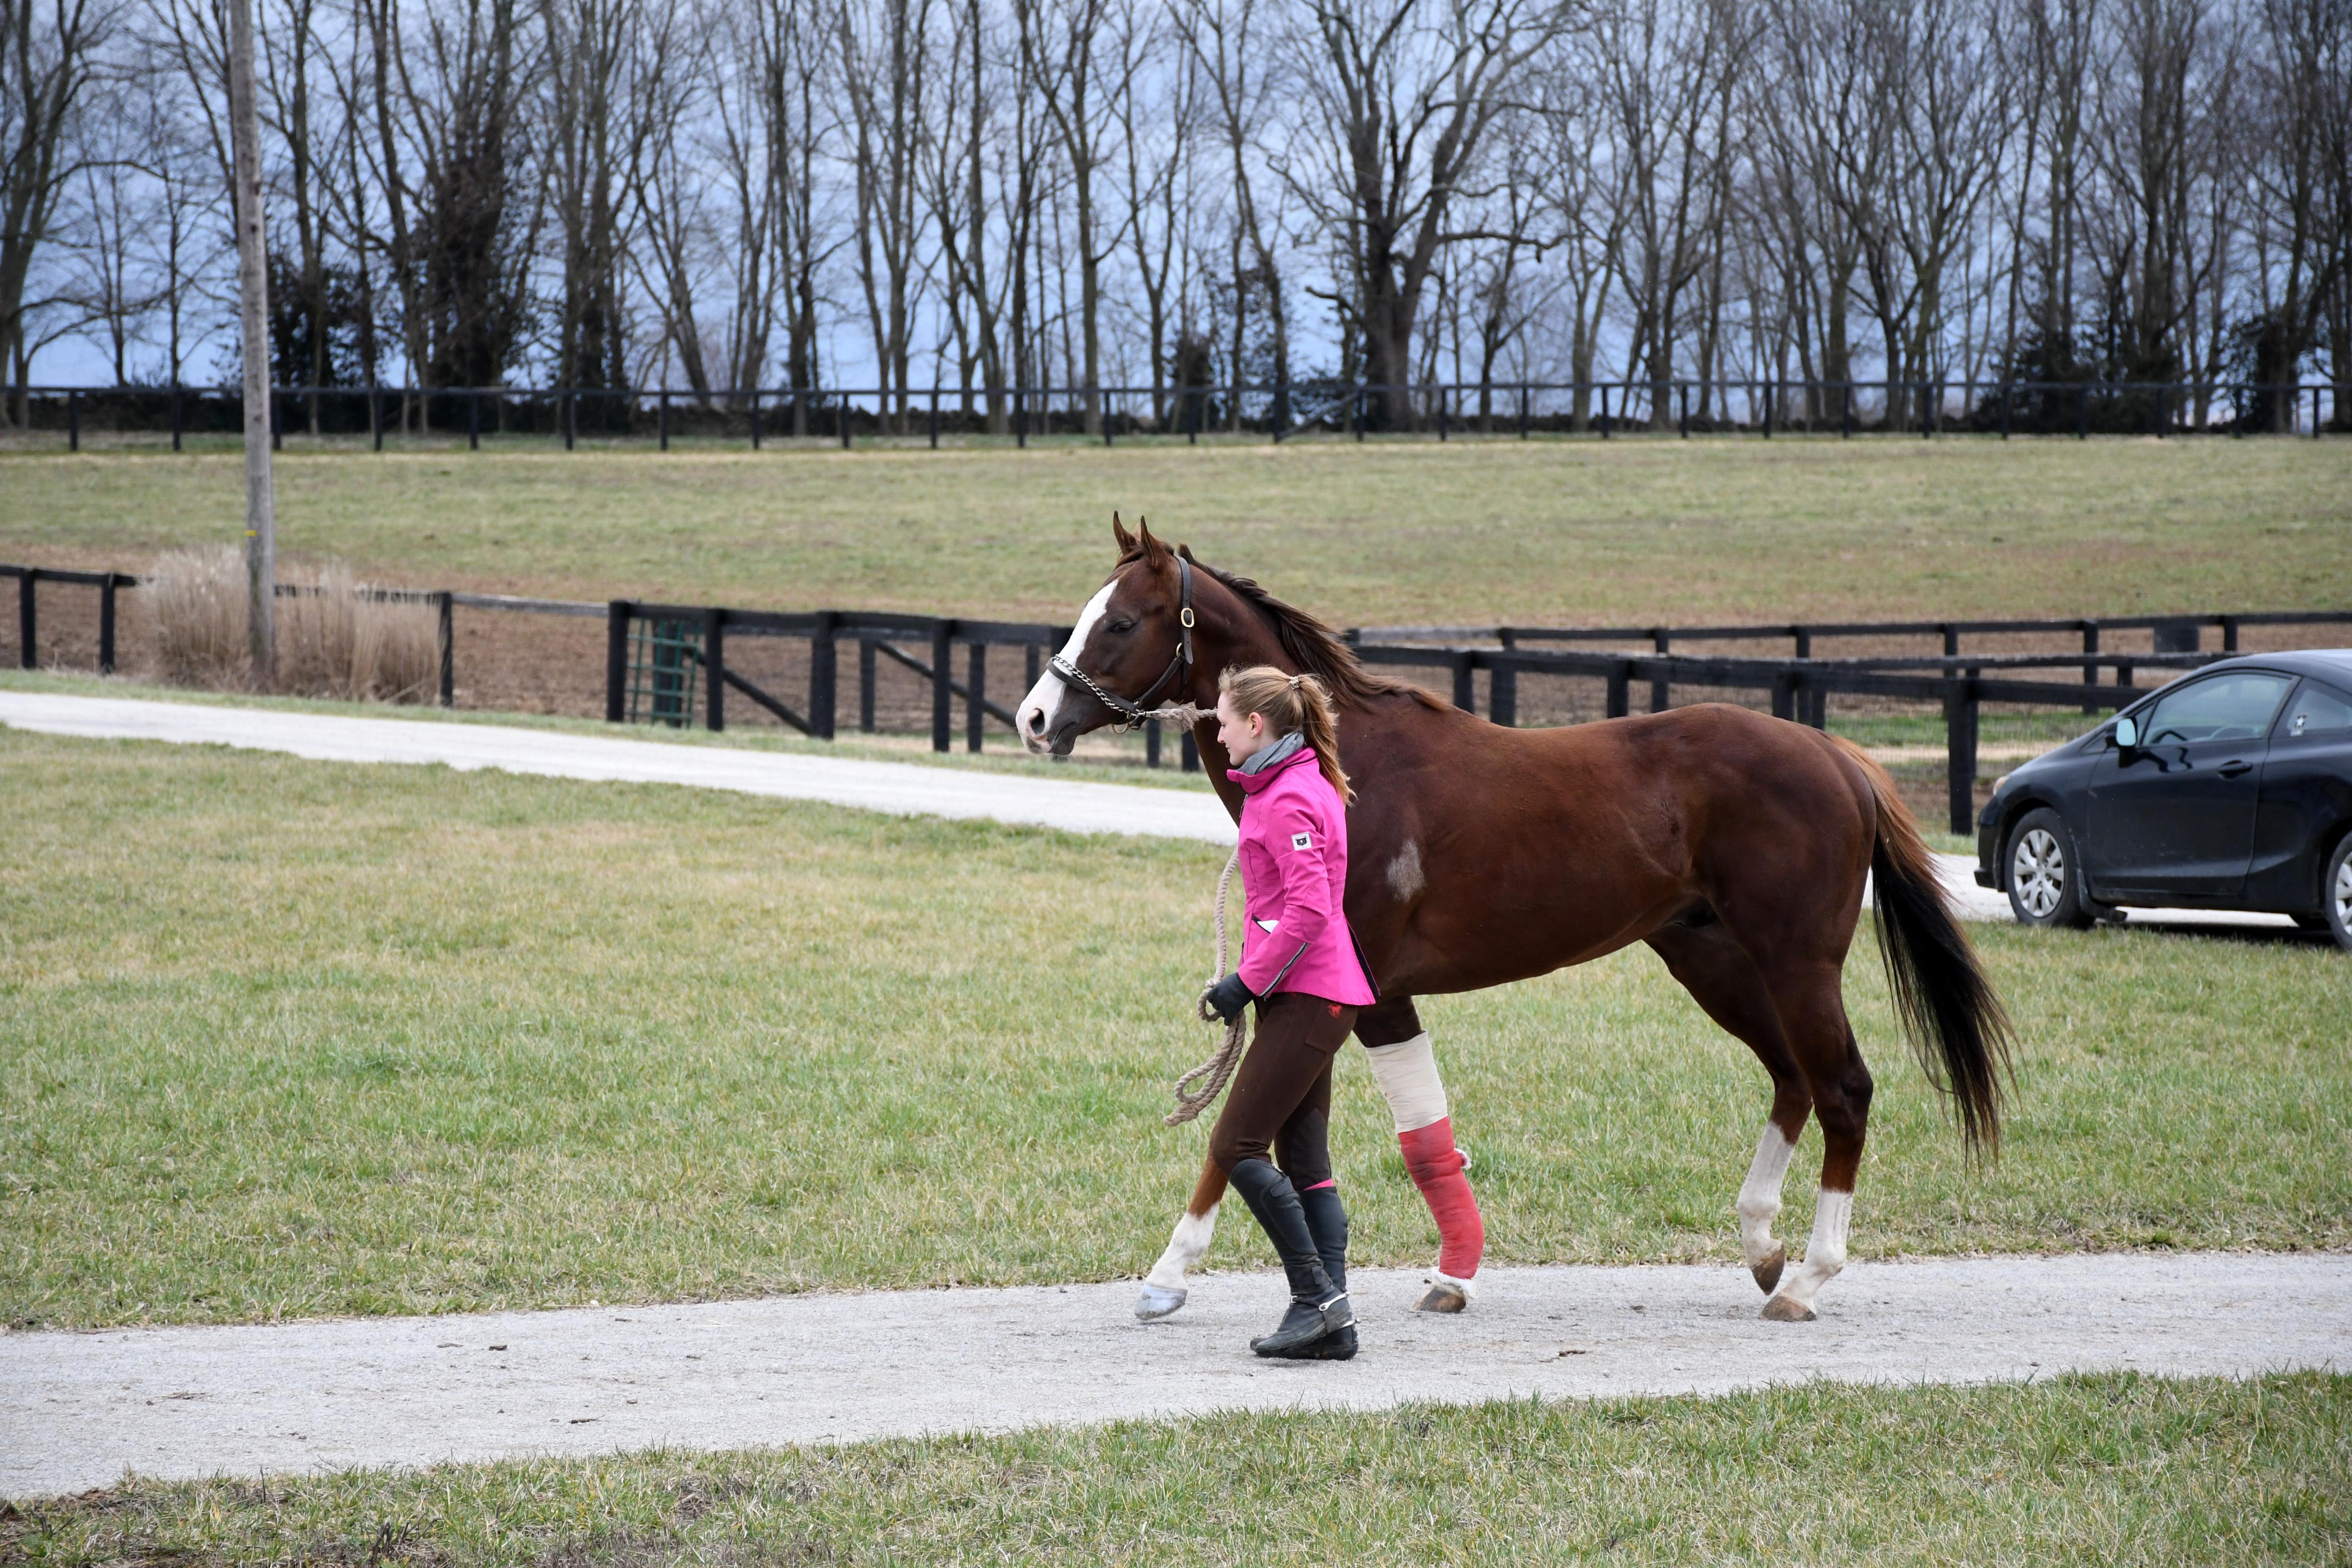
(1300, 965)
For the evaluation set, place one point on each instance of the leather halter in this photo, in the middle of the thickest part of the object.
(1136, 712)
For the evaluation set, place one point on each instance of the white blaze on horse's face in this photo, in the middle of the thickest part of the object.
(1040, 717)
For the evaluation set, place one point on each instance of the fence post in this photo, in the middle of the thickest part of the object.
(1845, 412)
(1784, 695)
(1661, 693)
(27, 629)
(375, 416)
(73, 420)
(2229, 634)
(1465, 683)
(1767, 401)
(975, 696)
(823, 678)
(665, 419)
(1685, 391)
(845, 419)
(2004, 410)
(1621, 681)
(473, 421)
(571, 420)
(2082, 414)
(179, 415)
(616, 661)
(1188, 752)
(1503, 689)
(866, 685)
(1960, 752)
(714, 668)
(445, 605)
(1523, 411)
(1440, 414)
(1021, 417)
(942, 651)
(2090, 666)
(935, 419)
(755, 419)
(1151, 742)
(1359, 413)
(106, 623)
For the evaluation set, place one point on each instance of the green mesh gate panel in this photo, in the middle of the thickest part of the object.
(665, 661)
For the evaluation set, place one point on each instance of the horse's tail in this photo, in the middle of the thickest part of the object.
(1956, 1025)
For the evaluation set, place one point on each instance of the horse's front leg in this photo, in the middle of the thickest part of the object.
(1163, 1288)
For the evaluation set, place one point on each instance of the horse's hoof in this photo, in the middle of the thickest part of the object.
(1441, 1298)
(1786, 1309)
(1768, 1273)
(1158, 1301)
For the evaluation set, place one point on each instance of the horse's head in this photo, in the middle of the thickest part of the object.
(1129, 643)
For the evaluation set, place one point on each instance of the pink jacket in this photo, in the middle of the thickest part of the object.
(1293, 843)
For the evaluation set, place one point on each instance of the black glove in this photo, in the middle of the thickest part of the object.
(1228, 996)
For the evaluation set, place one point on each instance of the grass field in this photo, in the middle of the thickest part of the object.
(284, 1038)
(2112, 1469)
(1545, 532)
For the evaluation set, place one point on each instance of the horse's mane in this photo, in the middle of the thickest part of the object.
(1313, 646)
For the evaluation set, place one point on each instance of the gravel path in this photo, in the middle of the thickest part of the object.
(77, 1410)
(902, 788)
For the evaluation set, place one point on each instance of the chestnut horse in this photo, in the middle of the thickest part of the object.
(1735, 844)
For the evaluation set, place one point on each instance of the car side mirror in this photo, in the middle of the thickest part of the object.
(2127, 734)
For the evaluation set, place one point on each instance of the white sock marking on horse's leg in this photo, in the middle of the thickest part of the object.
(1825, 1252)
(1185, 1248)
(1407, 1074)
(1759, 1194)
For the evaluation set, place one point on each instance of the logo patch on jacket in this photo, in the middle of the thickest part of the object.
(1301, 841)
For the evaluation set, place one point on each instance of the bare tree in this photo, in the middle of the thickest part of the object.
(49, 52)
(1401, 95)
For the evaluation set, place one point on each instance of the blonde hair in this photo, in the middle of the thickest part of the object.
(1287, 702)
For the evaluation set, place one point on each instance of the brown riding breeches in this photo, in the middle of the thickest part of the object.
(1281, 1097)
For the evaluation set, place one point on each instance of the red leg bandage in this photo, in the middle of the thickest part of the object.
(1436, 1167)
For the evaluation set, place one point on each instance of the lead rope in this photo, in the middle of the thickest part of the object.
(1219, 1068)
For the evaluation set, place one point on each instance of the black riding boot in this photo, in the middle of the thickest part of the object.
(1328, 1222)
(1319, 1308)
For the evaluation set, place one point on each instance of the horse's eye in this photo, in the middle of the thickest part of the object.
(1122, 627)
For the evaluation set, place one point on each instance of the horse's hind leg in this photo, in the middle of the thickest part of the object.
(1163, 1288)
(1726, 985)
(1813, 1013)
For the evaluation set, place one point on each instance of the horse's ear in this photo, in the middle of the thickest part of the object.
(1126, 540)
(1153, 551)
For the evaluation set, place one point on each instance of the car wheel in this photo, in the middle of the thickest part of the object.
(2335, 893)
(2045, 880)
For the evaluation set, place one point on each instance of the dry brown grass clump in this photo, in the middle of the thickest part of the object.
(196, 597)
(335, 637)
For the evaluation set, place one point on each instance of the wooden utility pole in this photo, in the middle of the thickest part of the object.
(253, 299)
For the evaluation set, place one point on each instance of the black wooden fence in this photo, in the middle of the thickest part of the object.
(1277, 411)
(1798, 687)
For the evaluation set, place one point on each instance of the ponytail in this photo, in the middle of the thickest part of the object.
(1287, 702)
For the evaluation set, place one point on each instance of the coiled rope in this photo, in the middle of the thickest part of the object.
(1219, 1068)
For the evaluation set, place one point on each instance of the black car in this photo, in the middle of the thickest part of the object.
(2229, 789)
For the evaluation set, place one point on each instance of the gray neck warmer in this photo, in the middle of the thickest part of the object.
(1273, 752)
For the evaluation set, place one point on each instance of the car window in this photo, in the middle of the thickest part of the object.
(2235, 707)
(2315, 710)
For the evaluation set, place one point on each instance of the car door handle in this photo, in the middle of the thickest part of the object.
(2234, 767)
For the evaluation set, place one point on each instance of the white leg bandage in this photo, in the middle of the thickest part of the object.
(1407, 1074)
